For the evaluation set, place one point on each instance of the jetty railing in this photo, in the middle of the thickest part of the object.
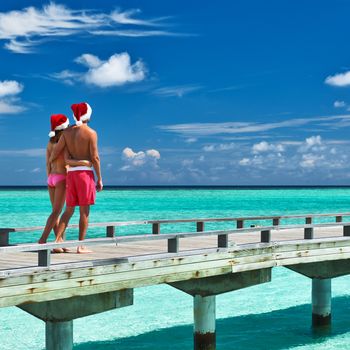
(44, 250)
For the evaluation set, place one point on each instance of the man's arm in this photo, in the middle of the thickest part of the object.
(74, 162)
(58, 148)
(95, 160)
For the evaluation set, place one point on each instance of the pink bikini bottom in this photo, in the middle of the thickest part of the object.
(54, 179)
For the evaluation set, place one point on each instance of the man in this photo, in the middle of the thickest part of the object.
(81, 143)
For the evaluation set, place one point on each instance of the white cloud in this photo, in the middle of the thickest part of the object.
(220, 147)
(132, 33)
(23, 29)
(176, 91)
(339, 104)
(35, 170)
(29, 152)
(10, 87)
(10, 107)
(264, 146)
(116, 71)
(313, 143)
(153, 153)
(341, 79)
(125, 17)
(139, 159)
(89, 60)
(209, 129)
(244, 161)
(310, 160)
(9, 102)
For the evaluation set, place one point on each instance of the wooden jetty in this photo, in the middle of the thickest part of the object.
(58, 288)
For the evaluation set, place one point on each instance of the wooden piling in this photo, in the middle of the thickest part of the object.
(321, 302)
(59, 335)
(204, 322)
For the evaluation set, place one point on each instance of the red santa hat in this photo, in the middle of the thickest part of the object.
(81, 112)
(58, 122)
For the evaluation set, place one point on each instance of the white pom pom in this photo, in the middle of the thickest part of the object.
(52, 134)
(78, 123)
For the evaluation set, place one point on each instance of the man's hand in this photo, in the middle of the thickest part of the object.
(99, 186)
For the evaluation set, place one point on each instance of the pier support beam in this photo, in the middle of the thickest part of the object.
(204, 323)
(59, 335)
(58, 315)
(321, 302)
(204, 291)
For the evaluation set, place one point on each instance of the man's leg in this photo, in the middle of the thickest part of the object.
(83, 226)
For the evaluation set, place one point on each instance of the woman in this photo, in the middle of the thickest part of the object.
(56, 175)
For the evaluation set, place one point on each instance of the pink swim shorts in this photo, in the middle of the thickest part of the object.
(81, 188)
(54, 179)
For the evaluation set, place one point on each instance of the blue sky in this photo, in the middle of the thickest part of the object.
(225, 93)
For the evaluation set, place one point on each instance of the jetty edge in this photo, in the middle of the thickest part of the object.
(62, 288)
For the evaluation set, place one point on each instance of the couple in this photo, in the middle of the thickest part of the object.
(71, 153)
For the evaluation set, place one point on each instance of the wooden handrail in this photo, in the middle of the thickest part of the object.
(164, 236)
(44, 250)
(173, 221)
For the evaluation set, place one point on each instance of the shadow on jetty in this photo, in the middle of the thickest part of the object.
(276, 330)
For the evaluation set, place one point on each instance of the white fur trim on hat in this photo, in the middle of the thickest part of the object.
(84, 117)
(63, 126)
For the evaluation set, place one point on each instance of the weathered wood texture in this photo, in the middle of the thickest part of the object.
(136, 264)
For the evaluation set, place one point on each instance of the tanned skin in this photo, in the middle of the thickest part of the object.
(81, 144)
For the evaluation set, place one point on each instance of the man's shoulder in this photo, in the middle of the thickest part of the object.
(69, 130)
(91, 130)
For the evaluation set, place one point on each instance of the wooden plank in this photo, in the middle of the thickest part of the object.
(179, 259)
(172, 272)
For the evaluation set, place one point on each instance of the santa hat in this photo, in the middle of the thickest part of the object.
(58, 122)
(81, 112)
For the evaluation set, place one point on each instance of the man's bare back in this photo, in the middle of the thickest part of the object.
(78, 140)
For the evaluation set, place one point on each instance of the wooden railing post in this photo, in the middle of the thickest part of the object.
(44, 257)
(110, 231)
(222, 241)
(173, 245)
(338, 218)
(156, 228)
(240, 223)
(200, 226)
(4, 237)
(308, 231)
(265, 236)
(346, 231)
(275, 221)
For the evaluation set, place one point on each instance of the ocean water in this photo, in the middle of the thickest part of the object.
(275, 315)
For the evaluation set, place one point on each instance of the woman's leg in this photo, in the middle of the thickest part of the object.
(57, 197)
(64, 222)
(45, 234)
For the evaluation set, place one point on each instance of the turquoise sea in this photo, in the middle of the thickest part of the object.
(272, 316)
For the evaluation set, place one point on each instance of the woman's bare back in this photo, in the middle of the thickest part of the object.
(58, 166)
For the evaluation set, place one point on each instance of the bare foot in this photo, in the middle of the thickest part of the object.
(57, 250)
(83, 250)
(41, 241)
